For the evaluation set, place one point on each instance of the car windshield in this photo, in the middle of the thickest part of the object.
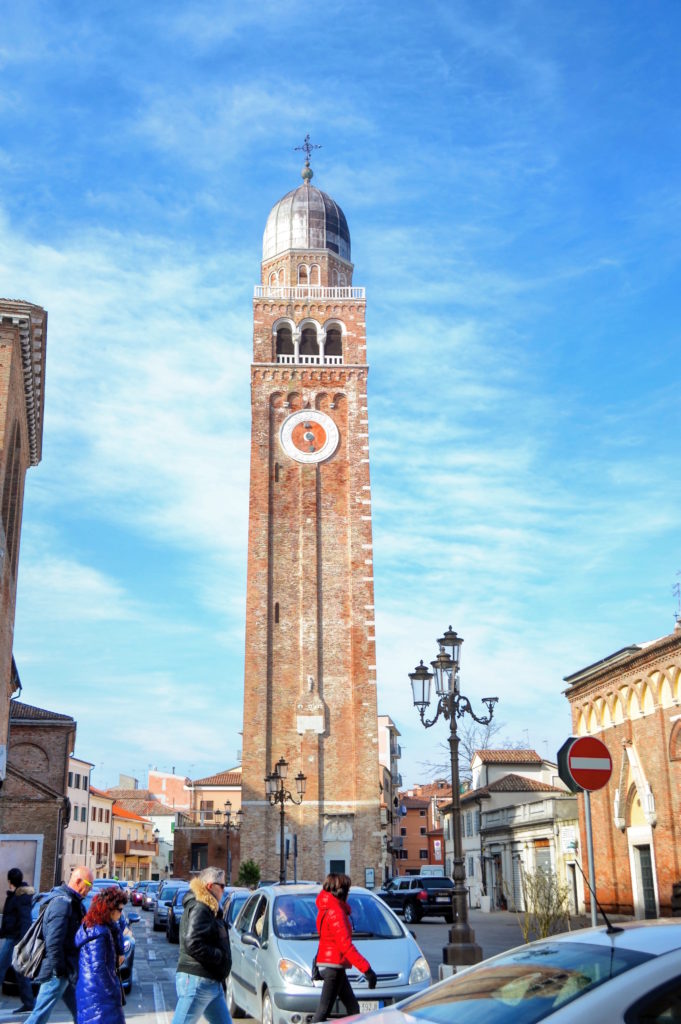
(295, 917)
(523, 987)
(152, 887)
(169, 892)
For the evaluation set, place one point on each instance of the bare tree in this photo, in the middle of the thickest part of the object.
(472, 737)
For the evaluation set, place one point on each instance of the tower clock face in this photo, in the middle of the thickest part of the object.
(309, 436)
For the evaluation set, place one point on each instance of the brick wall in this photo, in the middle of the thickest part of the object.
(310, 643)
(633, 707)
(216, 840)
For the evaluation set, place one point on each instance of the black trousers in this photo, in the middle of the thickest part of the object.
(336, 986)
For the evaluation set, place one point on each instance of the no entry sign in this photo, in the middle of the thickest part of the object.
(584, 763)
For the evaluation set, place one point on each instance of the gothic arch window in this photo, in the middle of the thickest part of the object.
(342, 280)
(273, 278)
(675, 742)
(303, 275)
(334, 342)
(309, 346)
(314, 274)
(284, 341)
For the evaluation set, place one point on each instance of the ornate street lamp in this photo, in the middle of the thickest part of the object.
(451, 704)
(277, 793)
(230, 827)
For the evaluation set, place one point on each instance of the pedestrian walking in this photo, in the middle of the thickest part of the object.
(59, 970)
(16, 920)
(336, 950)
(205, 958)
(99, 996)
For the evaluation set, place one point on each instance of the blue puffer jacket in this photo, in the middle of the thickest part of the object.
(98, 992)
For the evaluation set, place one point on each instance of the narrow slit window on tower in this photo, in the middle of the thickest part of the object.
(276, 612)
(276, 472)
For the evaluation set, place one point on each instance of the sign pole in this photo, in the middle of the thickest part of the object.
(590, 855)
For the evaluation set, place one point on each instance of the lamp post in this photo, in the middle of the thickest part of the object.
(229, 828)
(452, 705)
(277, 793)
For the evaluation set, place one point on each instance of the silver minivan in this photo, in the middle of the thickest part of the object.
(274, 939)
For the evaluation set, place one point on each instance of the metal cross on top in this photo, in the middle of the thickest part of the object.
(307, 147)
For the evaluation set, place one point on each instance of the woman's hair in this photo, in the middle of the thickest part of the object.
(103, 906)
(338, 885)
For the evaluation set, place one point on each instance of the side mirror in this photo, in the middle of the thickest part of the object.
(249, 939)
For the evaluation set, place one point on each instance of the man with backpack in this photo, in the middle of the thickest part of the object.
(59, 970)
(16, 920)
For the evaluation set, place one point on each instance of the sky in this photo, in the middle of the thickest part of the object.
(510, 176)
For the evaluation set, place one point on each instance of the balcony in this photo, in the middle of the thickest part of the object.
(310, 360)
(135, 848)
(306, 292)
(396, 779)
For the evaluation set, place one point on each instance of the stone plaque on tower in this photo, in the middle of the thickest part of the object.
(310, 666)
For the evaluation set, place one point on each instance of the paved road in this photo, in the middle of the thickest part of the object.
(152, 1000)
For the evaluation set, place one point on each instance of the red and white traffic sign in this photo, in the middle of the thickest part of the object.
(586, 763)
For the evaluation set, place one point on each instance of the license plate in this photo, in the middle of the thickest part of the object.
(442, 899)
(369, 1005)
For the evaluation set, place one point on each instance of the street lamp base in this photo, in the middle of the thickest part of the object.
(462, 949)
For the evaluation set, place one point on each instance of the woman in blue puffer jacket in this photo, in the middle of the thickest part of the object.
(99, 997)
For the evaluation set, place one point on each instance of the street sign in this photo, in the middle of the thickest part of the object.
(584, 763)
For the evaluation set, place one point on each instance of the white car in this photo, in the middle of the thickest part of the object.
(274, 939)
(626, 975)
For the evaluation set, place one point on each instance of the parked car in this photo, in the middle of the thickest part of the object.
(105, 883)
(174, 915)
(274, 939)
(137, 893)
(235, 897)
(164, 898)
(150, 894)
(418, 896)
(627, 975)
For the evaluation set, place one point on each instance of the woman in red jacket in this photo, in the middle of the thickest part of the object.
(336, 951)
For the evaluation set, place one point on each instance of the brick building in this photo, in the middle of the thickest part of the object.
(23, 333)
(310, 665)
(34, 809)
(202, 846)
(420, 826)
(630, 700)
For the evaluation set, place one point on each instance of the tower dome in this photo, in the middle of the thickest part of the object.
(306, 218)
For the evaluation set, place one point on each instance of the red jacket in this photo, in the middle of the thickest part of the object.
(335, 935)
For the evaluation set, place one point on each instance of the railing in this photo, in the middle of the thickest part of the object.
(135, 847)
(311, 360)
(304, 291)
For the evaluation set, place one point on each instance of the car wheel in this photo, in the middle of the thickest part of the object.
(449, 917)
(234, 1011)
(267, 1015)
(411, 913)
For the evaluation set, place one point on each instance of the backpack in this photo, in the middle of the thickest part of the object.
(29, 952)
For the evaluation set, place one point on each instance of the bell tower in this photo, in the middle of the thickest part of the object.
(310, 666)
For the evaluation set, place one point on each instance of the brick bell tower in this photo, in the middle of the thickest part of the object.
(310, 667)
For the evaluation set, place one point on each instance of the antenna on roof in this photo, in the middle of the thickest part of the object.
(676, 591)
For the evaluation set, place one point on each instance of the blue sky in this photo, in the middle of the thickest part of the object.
(510, 176)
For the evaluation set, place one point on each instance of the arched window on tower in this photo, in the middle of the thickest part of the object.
(314, 274)
(309, 346)
(333, 349)
(303, 276)
(285, 350)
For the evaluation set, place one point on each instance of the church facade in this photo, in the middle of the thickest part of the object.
(310, 665)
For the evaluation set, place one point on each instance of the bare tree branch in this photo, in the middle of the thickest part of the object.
(472, 737)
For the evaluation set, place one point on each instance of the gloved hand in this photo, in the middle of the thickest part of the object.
(370, 976)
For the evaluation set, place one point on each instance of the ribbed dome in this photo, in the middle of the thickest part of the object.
(306, 218)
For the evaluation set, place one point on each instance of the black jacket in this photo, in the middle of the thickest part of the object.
(204, 943)
(16, 917)
(61, 921)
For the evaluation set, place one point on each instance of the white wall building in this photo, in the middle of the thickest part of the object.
(100, 834)
(75, 835)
